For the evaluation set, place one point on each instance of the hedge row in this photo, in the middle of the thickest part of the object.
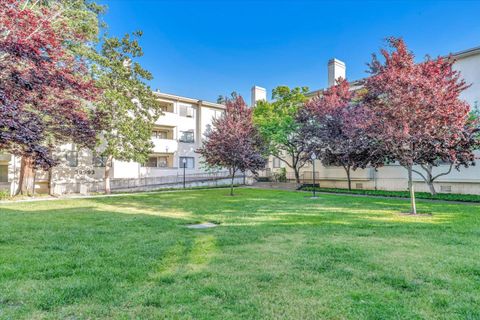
(401, 194)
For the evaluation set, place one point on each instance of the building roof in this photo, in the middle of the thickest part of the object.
(168, 96)
(466, 53)
(354, 85)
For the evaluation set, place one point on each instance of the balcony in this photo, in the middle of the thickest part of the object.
(164, 145)
(158, 172)
(158, 165)
(168, 119)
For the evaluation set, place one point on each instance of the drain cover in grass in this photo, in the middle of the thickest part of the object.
(202, 225)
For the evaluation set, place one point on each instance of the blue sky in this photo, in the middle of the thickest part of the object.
(201, 49)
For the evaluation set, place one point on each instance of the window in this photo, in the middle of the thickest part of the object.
(162, 162)
(217, 114)
(208, 129)
(151, 162)
(99, 161)
(166, 107)
(186, 111)
(72, 158)
(189, 164)
(187, 136)
(160, 134)
(3, 173)
(157, 162)
(277, 163)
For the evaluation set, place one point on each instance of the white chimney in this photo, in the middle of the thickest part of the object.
(258, 94)
(336, 70)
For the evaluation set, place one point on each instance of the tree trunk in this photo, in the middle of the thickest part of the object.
(108, 166)
(231, 184)
(430, 179)
(26, 178)
(50, 177)
(433, 192)
(297, 175)
(347, 170)
(34, 181)
(21, 177)
(413, 209)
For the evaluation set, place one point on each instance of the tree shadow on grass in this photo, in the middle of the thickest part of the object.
(276, 210)
(134, 251)
(253, 216)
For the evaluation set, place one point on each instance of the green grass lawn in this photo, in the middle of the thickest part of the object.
(275, 255)
(401, 194)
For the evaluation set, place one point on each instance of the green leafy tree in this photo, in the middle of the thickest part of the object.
(475, 113)
(223, 99)
(79, 21)
(474, 121)
(128, 107)
(277, 123)
(79, 17)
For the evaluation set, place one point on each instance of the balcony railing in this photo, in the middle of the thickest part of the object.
(164, 145)
(168, 119)
(186, 140)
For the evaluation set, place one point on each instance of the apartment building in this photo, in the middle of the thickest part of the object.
(176, 136)
(394, 177)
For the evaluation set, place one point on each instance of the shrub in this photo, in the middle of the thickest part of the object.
(4, 194)
(401, 194)
(281, 175)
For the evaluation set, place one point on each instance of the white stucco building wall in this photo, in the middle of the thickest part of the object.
(468, 63)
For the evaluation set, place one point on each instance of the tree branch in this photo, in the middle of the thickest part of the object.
(284, 161)
(420, 174)
(444, 173)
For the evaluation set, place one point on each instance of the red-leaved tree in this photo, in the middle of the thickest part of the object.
(234, 142)
(44, 88)
(420, 118)
(335, 125)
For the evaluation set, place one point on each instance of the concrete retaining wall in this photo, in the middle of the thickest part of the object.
(132, 185)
